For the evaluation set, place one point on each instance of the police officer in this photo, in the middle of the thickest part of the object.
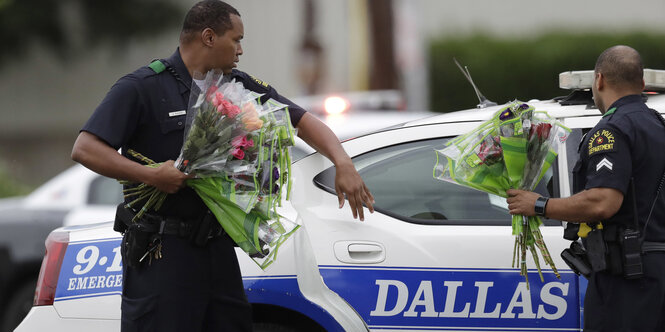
(196, 285)
(618, 198)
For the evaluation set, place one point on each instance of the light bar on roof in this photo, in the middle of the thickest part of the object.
(654, 80)
(574, 80)
(335, 105)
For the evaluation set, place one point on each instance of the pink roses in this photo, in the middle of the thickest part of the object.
(248, 116)
(239, 143)
(238, 153)
(224, 106)
(242, 141)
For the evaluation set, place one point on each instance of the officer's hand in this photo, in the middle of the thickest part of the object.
(522, 202)
(348, 182)
(169, 179)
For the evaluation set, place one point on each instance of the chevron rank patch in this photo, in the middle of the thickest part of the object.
(601, 141)
(604, 163)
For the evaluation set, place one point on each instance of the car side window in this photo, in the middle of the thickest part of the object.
(401, 179)
(104, 191)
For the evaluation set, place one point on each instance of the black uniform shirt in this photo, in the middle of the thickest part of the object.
(146, 111)
(268, 92)
(627, 142)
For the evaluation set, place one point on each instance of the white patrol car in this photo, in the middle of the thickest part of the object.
(78, 196)
(433, 257)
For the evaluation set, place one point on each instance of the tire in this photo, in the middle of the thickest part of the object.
(19, 306)
(272, 327)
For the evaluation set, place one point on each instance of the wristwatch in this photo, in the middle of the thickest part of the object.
(541, 203)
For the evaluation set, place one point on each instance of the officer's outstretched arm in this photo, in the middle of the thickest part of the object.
(591, 205)
(347, 180)
(95, 154)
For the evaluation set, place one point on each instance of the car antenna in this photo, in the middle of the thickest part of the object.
(483, 102)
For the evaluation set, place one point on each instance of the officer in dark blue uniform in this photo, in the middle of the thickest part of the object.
(192, 282)
(619, 200)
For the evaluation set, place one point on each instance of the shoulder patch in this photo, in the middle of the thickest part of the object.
(601, 141)
(260, 82)
(157, 66)
(605, 163)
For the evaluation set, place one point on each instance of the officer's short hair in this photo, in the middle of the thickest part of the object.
(213, 14)
(621, 66)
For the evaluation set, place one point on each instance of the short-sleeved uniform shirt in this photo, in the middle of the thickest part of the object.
(628, 142)
(146, 111)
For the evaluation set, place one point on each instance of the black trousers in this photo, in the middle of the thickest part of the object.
(190, 289)
(615, 304)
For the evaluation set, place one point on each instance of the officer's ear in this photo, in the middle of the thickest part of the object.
(599, 81)
(208, 37)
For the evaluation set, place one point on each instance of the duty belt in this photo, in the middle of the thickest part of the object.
(653, 246)
(181, 227)
(172, 226)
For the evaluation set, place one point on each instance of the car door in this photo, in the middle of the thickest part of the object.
(435, 255)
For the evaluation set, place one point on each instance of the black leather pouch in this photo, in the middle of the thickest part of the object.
(134, 244)
(123, 218)
(596, 250)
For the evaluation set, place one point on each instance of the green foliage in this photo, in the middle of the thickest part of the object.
(119, 19)
(24, 22)
(508, 69)
(9, 187)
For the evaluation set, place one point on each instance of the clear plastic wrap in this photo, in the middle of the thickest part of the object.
(513, 149)
(238, 149)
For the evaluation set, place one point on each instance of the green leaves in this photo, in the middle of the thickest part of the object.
(259, 235)
(10, 187)
(207, 133)
(513, 149)
(510, 68)
(80, 24)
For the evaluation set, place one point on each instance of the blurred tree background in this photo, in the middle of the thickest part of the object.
(70, 27)
(508, 69)
(9, 186)
(71, 30)
(504, 68)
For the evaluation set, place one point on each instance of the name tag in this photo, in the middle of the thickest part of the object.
(177, 113)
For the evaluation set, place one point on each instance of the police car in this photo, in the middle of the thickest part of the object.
(433, 257)
(78, 196)
(74, 196)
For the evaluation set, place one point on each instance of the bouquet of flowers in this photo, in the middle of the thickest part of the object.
(513, 149)
(238, 149)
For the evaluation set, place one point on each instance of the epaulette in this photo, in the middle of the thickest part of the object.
(157, 66)
(251, 82)
(259, 82)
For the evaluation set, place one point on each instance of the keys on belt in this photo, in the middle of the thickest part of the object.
(155, 244)
(199, 232)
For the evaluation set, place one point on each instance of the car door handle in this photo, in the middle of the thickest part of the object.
(364, 248)
(359, 252)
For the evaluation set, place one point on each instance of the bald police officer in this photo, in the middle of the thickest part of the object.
(196, 285)
(618, 197)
